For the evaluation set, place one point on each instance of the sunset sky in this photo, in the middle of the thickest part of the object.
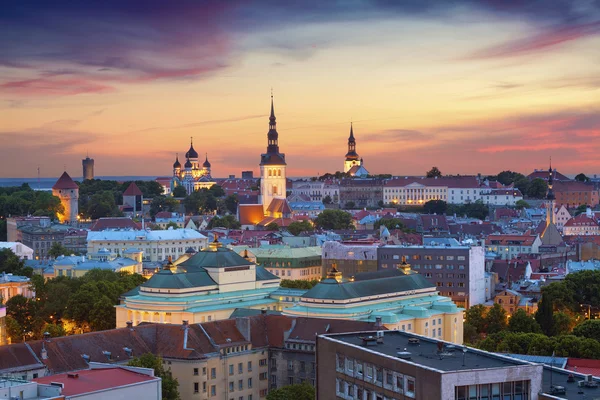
(470, 86)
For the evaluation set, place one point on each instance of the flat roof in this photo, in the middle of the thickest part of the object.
(573, 392)
(425, 353)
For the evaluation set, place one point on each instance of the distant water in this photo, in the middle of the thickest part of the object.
(47, 183)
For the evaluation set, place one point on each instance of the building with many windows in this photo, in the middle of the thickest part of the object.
(510, 246)
(156, 245)
(295, 263)
(457, 271)
(349, 259)
(380, 365)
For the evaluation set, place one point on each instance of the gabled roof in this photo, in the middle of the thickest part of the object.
(263, 275)
(279, 206)
(65, 182)
(132, 190)
(210, 258)
(581, 220)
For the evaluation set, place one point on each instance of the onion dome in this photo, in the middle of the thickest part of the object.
(177, 164)
(191, 153)
(188, 164)
(206, 164)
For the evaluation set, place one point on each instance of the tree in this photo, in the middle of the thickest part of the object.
(100, 205)
(562, 323)
(327, 200)
(170, 385)
(349, 205)
(297, 227)
(470, 334)
(11, 264)
(434, 172)
(55, 330)
(172, 224)
(435, 207)
(582, 208)
(521, 204)
(475, 316)
(588, 329)
(217, 191)
(162, 203)
(543, 315)
(298, 284)
(58, 250)
(582, 178)
(228, 221)
(231, 203)
(390, 223)
(521, 322)
(103, 315)
(495, 319)
(272, 226)
(537, 188)
(334, 219)
(179, 191)
(302, 391)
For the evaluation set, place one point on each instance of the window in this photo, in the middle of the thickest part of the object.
(203, 387)
(195, 371)
(290, 365)
(291, 380)
(399, 384)
(389, 378)
(263, 393)
(410, 386)
(240, 368)
(213, 373)
(263, 376)
(196, 387)
(302, 366)
(369, 372)
(349, 365)
(249, 383)
(203, 371)
(341, 360)
(241, 384)
(231, 386)
(250, 366)
(262, 362)
(230, 369)
(359, 369)
(213, 390)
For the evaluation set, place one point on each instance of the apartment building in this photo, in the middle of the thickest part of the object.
(458, 272)
(508, 247)
(363, 192)
(295, 263)
(41, 238)
(349, 259)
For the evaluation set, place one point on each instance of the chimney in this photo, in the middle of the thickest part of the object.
(72, 375)
(378, 323)
(44, 352)
(243, 325)
(129, 324)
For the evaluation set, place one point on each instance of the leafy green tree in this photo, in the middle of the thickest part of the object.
(3, 231)
(298, 284)
(391, 223)
(349, 205)
(434, 172)
(582, 178)
(55, 330)
(470, 334)
(272, 226)
(521, 322)
(179, 191)
(582, 208)
(217, 191)
(537, 188)
(170, 385)
(544, 313)
(102, 205)
(475, 317)
(496, 319)
(163, 203)
(103, 315)
(302, 391)
(588, 329)
(231, 203)
(201, 200)
(327, 200)
(334, 219)
(57, 250)
(13, 330)
(562, 323)
(435, 207)
(297, 227)
(172, 225)
(11, 264)
(521, 204)
(228, 222)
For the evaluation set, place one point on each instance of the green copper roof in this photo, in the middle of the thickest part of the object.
(332, 290)
(264, 275)
(210, 258)
(165, 279)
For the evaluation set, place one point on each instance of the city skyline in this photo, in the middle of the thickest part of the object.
(470, 87)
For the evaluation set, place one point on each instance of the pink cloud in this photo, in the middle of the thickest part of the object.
(54, 86)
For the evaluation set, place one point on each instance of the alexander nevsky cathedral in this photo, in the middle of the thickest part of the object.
(192, 176)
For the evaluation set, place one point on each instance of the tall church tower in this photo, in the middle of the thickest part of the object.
(68, 193)
(352, 158)
(272, 167)
(550, 199)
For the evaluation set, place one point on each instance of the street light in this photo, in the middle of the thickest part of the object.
(589, 313)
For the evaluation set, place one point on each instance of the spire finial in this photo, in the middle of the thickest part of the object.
(272, 117)
(206, 154)
(191, 140)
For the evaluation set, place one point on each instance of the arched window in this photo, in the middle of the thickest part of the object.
(274, 189)
(270, 173)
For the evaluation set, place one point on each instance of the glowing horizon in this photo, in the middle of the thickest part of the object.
(471, 87)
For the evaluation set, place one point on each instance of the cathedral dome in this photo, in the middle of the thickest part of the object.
(188, 164)
(191, 153)
(177, 164)
(206, 163)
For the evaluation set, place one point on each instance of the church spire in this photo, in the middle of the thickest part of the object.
(351, 138)
(550, 195)
(272, 123)
(272, 136)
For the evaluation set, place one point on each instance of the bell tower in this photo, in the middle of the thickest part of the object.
(352, 158)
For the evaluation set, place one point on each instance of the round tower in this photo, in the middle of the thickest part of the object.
(68, 193)
(88, 168)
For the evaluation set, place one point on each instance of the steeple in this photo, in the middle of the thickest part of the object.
(351, 155)
(550, 195)
(351, 138)
(273, 136)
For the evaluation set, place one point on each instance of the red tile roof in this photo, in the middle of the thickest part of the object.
(279, 206)
(132, 190)
(250, 214)
(543, 174)
(581, 220)
(583, 366)
(572, 186)
(65, 182)
(523, 240)
(93, 380)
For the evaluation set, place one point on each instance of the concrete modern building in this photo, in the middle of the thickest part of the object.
(156, 245)
(88, 168)
(20, 250)
(41, 238)
(399, 365)
(68, 193)
(457, 271)
(396, 299)
(298, 263)
(349, 259)
(510, 246)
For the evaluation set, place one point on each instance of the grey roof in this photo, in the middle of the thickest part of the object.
(166, 279)
(558, 362)
(264, 275)
(249, 312)
(385, 273)
(333, 290)
(209, 258)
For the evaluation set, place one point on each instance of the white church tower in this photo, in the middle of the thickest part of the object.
(272, 167)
